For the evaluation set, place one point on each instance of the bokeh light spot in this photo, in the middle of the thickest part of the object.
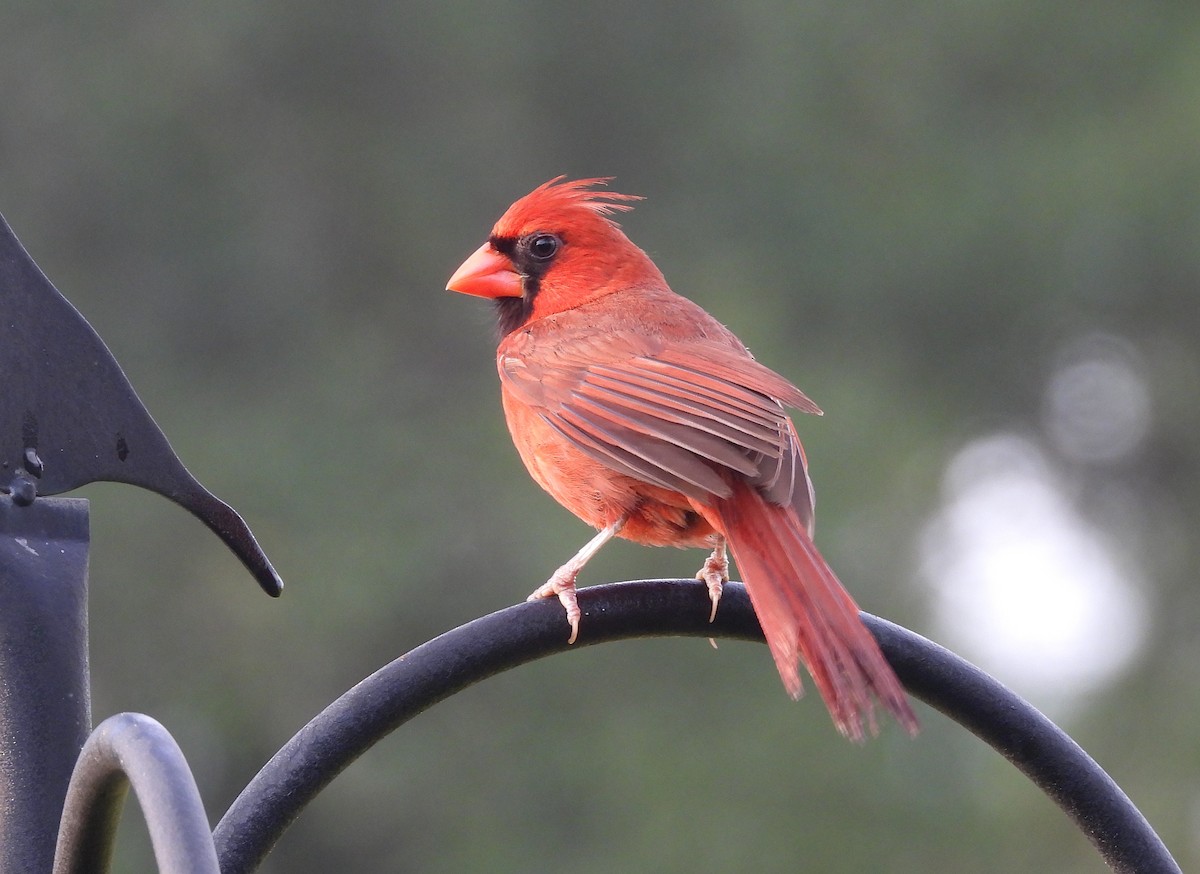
(1022, 583)
(1097, 406)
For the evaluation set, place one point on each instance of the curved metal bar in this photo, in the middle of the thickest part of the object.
(1041, 750)
(126, 749)
(502, 640)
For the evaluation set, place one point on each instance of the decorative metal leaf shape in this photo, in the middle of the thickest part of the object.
(69, 416)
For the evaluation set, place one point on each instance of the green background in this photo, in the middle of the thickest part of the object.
(911, 209)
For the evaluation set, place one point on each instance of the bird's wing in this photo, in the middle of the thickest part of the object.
(681, 414)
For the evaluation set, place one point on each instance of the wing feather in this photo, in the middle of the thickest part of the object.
(709, 360)
(617, 459)
(684, 415)
(689, 473)
(663, 428)
(722, 424)
(684, 387)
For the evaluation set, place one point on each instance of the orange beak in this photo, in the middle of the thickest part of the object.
(486, 273)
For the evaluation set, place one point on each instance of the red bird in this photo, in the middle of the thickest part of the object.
(648, 419)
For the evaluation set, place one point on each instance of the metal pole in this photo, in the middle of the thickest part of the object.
(45, 699)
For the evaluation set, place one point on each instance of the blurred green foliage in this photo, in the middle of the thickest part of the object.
(907, 208)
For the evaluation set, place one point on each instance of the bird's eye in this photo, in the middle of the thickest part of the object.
(543, 247)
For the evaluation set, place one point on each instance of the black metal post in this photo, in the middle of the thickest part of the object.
(45, 698)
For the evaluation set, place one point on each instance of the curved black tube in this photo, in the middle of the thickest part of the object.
(126, 749)
(1041, 750)
(494, 643)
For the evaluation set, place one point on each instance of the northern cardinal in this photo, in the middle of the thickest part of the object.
(648, 419)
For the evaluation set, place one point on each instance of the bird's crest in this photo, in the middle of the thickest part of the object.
(556, 198)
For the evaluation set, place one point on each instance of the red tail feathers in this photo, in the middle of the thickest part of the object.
(807, 615)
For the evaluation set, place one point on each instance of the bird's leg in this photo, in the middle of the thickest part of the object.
(562, 583)
(715, 573)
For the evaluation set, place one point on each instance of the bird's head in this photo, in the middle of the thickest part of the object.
(554, 249)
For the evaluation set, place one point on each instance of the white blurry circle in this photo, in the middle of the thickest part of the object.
(1097, 406)
(1023, 585)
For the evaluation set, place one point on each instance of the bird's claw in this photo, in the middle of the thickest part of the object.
(715, 574)
(562, 586)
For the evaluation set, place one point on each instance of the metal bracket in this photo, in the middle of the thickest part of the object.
(69, 416)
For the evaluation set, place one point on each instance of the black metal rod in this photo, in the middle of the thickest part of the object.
(1041, 750)
(124, 750)
(45, 700)
(494, 643)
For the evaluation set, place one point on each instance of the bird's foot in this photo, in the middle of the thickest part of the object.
(715, 574)
(562, 586)
(562, 583)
